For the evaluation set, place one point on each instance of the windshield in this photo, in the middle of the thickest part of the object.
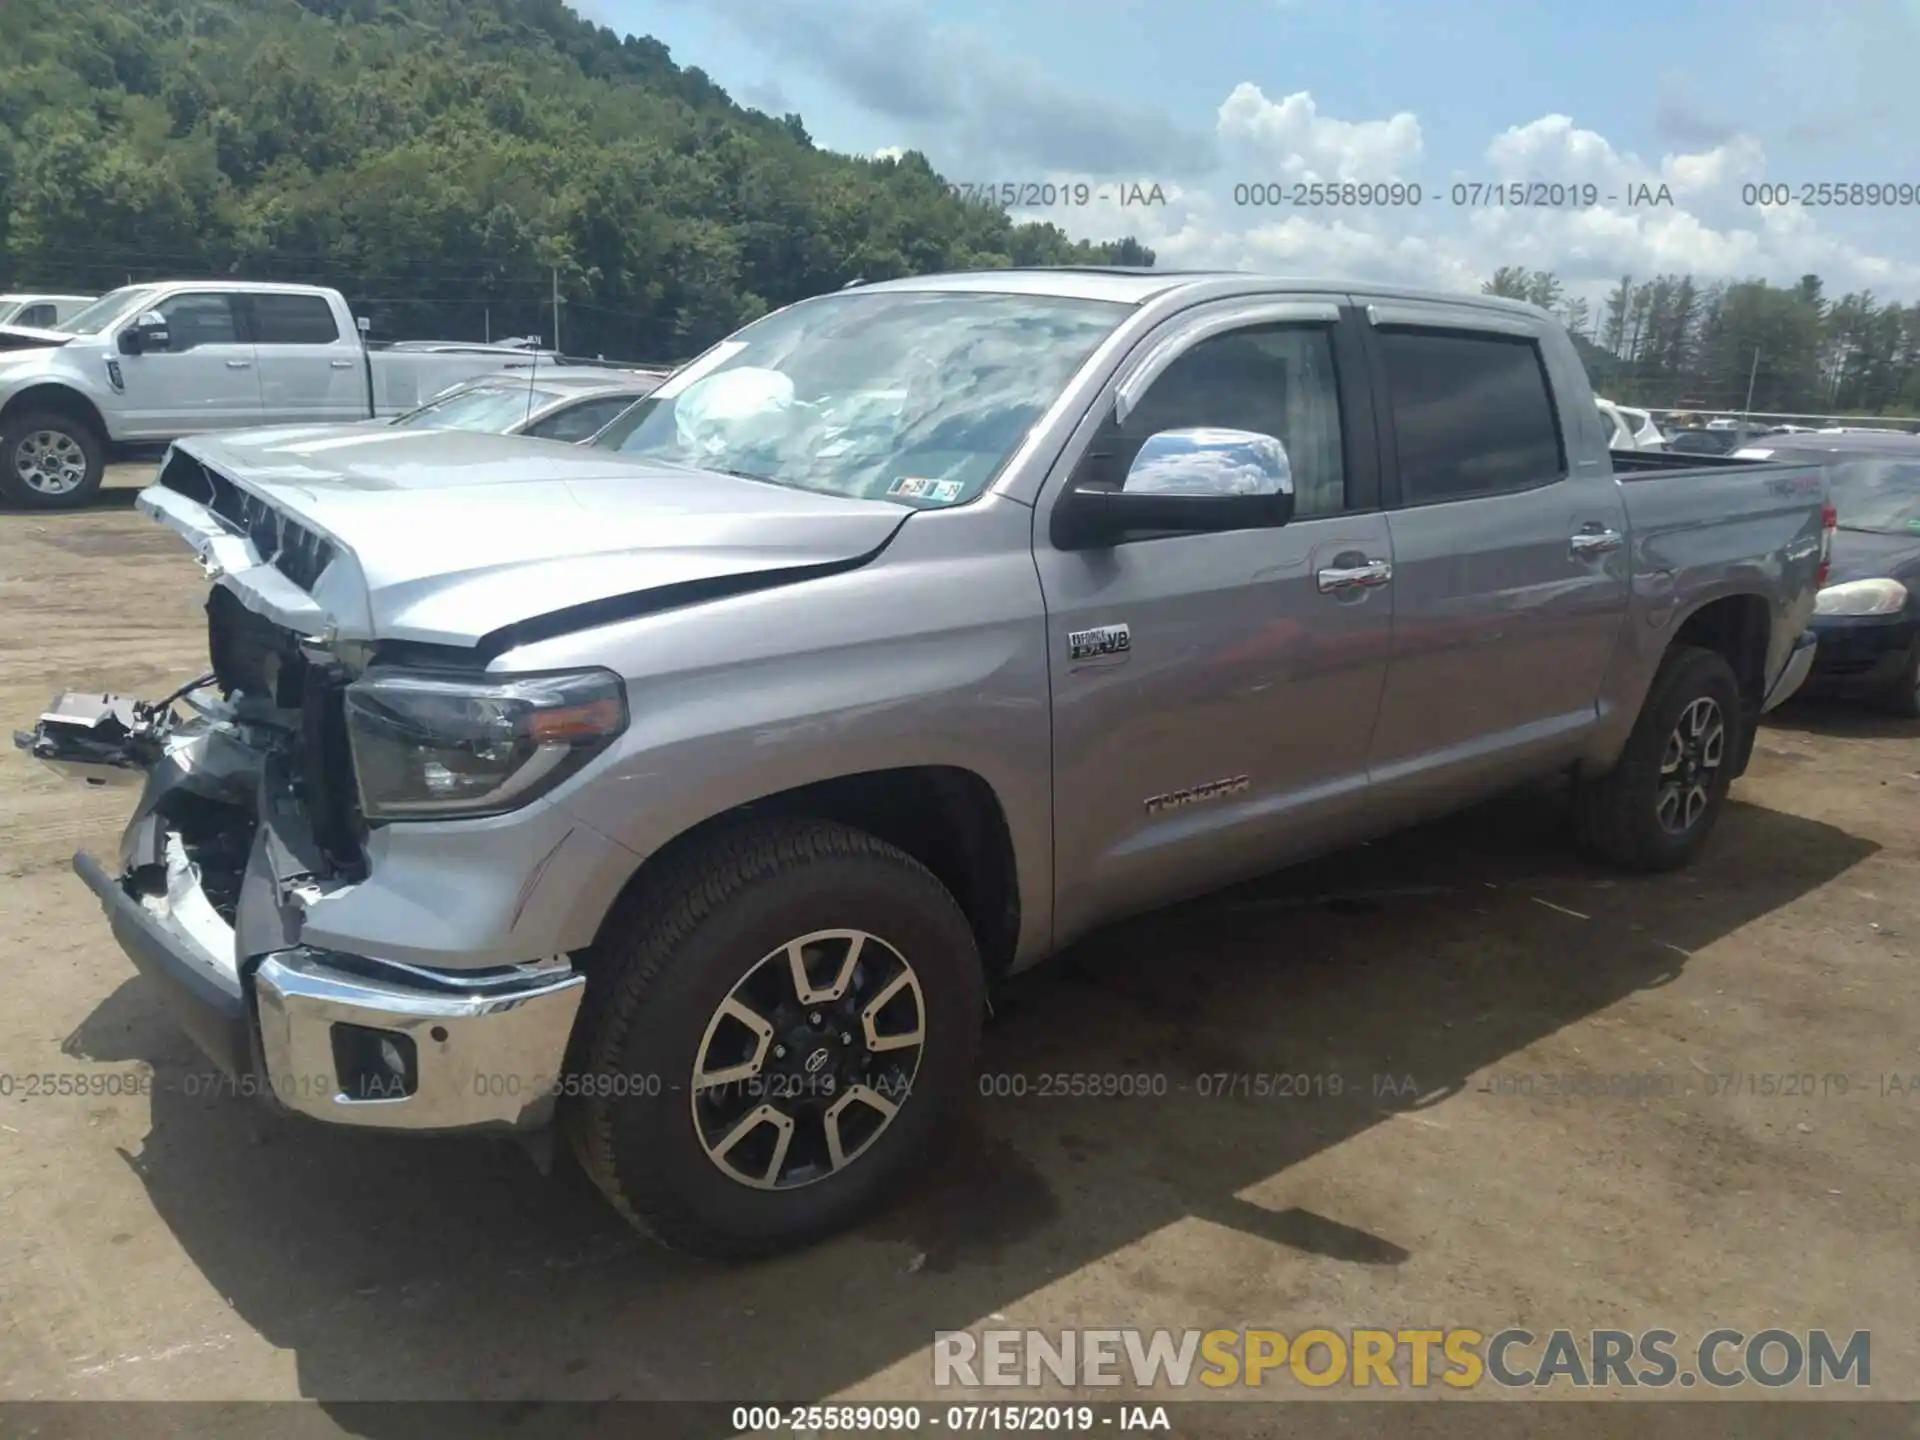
(10, 308)
(908, 396)
(107, 309)
(495, 408)
(1880, 494)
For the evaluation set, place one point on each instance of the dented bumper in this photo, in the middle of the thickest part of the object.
(209, 901)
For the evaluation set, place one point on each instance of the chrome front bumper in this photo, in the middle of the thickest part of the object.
(345, 1039)
(388, 1047)
(339, 1036)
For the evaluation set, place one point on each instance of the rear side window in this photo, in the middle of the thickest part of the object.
(37, 317)
(1472, 415)
(293, 320)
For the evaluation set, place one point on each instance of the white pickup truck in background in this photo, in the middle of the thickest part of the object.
(39, 311)
(144, 365)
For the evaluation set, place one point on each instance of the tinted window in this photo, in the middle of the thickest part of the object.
(37, 317)
(199, 320)
(577, 422)
(293, 320)
(1472, 415)
(1276, 380)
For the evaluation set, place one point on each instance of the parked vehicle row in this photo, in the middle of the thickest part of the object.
(147, 364)
(689, 789)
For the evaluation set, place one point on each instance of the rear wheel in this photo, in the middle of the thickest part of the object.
(50, 461)
(772, 1033)
(1654, 810)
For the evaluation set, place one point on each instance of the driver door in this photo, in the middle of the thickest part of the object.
(204, 379)
(1229, 733)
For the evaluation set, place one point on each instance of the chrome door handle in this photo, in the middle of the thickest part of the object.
(1374, 572)
(239, 364)
(1596, 542)
(343, 364)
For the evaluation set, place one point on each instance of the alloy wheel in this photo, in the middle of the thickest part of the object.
(808, 1059)
(50, 462)
(1690, 765)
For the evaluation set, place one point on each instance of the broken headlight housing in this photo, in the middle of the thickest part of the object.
(429, 747)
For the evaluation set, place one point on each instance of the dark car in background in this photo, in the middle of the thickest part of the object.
(1867, 616)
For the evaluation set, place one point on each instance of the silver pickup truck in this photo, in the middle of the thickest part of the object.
(686, 795)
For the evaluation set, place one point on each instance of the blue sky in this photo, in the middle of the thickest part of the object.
(1195, 96)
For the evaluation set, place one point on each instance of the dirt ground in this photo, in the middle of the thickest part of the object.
(178, 1245)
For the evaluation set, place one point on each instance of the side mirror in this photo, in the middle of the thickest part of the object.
(1196, 481)
(149, 332)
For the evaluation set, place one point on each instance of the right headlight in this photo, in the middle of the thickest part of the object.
(1861, 597)
(430, 747)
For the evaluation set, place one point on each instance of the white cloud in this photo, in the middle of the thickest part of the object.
(888, 152)
(1296, 142)
(1702, 227)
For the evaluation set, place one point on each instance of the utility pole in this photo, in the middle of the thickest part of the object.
(488, 312)
(1747, 416)
(556, 308)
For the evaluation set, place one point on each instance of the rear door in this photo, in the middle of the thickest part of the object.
(204, 378)
(1510, 567)
(1214, 695)
(310, 370)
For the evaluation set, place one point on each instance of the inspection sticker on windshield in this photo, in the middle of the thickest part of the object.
(941, 492)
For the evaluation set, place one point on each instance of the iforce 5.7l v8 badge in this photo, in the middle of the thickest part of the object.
(1098, 643)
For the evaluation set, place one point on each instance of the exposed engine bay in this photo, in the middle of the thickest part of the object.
(260, 737)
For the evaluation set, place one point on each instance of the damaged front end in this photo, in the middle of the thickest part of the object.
(247, 817)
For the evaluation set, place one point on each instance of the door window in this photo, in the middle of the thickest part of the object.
(194, 320)
(293, 320)
(1472, 415)
(1274, 380)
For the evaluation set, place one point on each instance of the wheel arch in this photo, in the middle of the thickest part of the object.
(947, 817)
(1739, 628)
(55, 398)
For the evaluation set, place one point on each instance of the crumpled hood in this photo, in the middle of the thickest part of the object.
(446, 537)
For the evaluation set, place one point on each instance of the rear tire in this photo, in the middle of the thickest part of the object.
(1655, 809)
(50, 461)
(707, 942)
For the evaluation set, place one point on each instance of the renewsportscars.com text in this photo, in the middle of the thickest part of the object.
(1459, 1358)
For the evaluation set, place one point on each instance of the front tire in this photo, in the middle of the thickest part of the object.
(773, 1029)
(50, 461)
(1655, 809)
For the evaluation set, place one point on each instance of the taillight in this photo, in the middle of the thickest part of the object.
(1829, 522)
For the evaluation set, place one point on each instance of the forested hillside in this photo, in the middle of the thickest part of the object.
(440, 160)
